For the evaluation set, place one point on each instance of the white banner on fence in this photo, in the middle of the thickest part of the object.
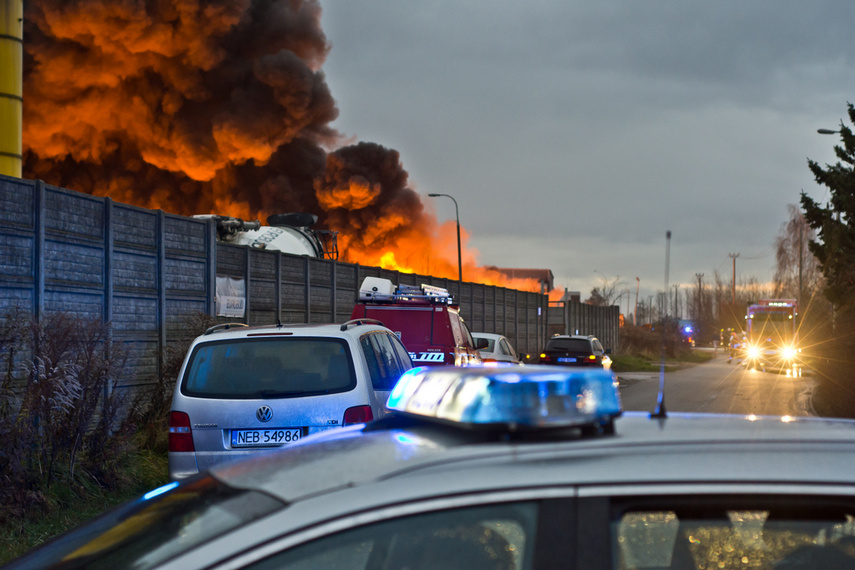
(231, 297)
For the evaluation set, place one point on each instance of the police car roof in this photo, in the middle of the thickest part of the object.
(428, 459)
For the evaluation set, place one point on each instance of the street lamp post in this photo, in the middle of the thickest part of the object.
(457, 216)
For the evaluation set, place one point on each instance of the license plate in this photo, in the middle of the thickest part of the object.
(265, 437)
(566, 359)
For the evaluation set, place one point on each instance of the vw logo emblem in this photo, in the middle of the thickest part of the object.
(264, 414)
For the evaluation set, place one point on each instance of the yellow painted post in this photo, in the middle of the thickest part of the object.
(11, 85)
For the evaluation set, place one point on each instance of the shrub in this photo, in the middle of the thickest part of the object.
(649, 341)
(59, 412)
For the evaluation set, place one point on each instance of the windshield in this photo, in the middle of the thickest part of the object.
(771, 327)
(164, 523)
(269, 368)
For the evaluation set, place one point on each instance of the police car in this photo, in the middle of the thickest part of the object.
(503, 468)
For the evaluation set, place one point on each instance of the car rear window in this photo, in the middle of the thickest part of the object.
(569, 344)
(269, 368)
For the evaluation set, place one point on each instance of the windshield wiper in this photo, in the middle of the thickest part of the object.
(289, 394)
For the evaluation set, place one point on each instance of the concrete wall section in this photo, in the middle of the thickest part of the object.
(143, 271)
(148, 272)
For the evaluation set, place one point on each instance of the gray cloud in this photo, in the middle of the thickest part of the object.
(563, 127)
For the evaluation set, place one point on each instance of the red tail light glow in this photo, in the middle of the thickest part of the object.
(357, 415)
(180, 433)
(592, 357)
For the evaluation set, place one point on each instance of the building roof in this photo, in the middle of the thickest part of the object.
(541, 275)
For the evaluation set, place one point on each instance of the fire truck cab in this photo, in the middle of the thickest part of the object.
(772, 335)
(425, 318)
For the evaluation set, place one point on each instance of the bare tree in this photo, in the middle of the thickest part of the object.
(607, 292)
(750, 289)
(797, 272)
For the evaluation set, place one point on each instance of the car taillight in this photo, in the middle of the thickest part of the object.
(592, 357)
(545, 358)
(180, 434)
(357, 415)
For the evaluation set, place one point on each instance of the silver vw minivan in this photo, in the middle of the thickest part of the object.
(243, 389)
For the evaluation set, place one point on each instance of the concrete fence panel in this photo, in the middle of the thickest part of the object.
(147, 272)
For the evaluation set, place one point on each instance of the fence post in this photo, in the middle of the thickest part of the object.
(307, 289)
(212, 267)
(39, 253)
(566, 316)
(247, 287)
(278, 286)
(108, 293)
(334, 292)
(161, 290)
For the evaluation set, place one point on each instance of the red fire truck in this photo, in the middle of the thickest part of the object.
(772, 335)
(425, 318)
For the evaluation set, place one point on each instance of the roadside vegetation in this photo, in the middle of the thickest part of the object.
(642, 349)
(74, 444)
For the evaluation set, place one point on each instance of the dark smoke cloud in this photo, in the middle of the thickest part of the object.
(187, 106)
(365, 194)
(215, 106)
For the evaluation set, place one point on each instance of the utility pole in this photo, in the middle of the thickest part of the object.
(650, 309)
(635, 314)
(700, 293)
(628, 299)
(676, 301)
(733, 256)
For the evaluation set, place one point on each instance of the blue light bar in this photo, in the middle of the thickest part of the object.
(515, 397)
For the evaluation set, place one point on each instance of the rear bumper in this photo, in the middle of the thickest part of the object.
(188, 463)
(182, 465)
(583, 364)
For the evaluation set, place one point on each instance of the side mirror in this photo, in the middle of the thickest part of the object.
(481, 343)
(608, 351)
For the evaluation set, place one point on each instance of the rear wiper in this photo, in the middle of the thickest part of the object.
(278, 393)
(287, 394)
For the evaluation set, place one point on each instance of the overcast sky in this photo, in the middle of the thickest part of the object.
(575, 134)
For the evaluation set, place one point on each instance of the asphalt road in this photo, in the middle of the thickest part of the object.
(718, 387)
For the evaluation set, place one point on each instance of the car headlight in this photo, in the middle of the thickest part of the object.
(788, 352)
(753, 352)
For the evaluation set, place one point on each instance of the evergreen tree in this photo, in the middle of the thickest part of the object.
(834, 222)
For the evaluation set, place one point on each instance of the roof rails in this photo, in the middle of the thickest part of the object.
(357, 322)
(224, 327)
(379, 290)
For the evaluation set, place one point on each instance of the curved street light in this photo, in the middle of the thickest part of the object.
(457, 216)
(827, 132)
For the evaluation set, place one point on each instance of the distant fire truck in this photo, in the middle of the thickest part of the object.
(771, 331)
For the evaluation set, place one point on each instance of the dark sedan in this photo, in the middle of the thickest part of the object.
(576, 350)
